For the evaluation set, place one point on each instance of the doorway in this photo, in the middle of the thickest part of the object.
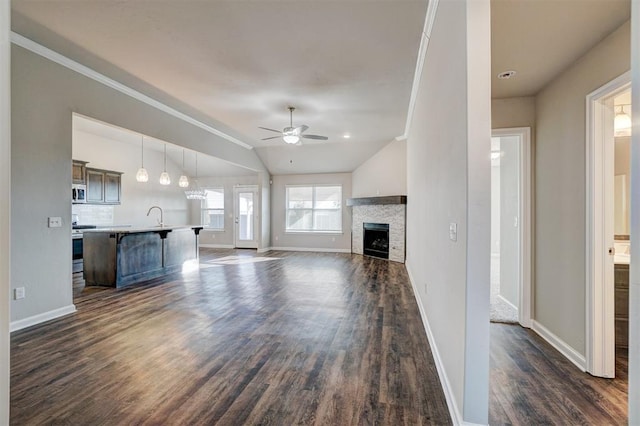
(246, 216)
(510, 226)
(603, 251)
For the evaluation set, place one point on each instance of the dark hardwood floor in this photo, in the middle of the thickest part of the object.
(280, 338)
(533, 384)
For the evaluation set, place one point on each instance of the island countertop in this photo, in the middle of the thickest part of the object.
(119, 256)
(131, 230)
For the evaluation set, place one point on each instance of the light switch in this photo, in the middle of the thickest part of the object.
(55, 222)
(453, 231)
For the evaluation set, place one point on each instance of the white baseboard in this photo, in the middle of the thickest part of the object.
(40, 318)
(319, 250)
(264, 249)
(514, 307)
(560, 345)
(222, 246)
(454, 412)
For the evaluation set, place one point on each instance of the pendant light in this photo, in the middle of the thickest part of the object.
(183, 182)
(164, 177)
(196, 193)
(622, 121)
(142, 175)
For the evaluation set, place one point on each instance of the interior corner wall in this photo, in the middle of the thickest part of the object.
(634, 287)
(560, 186)
(5, 207)
(44, 95)
(280, 239)
(385, 173)
(448, 181)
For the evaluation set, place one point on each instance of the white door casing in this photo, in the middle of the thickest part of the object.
(245, 205)
(600, 157)
(525, 303)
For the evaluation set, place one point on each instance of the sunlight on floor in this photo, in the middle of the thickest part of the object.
(239, 260)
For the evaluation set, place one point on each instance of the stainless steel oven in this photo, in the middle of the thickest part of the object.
(77, 246)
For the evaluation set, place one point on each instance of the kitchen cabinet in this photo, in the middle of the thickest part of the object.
(103, 186)
(78, 171)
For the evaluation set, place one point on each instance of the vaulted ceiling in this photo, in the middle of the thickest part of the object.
(347, 66)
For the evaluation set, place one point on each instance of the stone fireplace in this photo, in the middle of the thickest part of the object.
(385, 213)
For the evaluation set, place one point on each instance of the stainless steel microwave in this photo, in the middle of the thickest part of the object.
(78, 193)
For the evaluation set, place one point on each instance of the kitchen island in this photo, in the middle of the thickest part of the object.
(118, 257)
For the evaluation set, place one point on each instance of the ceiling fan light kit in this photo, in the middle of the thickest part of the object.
(293, 135)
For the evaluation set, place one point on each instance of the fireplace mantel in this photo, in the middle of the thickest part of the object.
(377, 201)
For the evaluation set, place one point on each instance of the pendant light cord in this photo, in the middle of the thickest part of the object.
(165, 157)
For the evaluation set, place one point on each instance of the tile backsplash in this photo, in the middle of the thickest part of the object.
(90, 214)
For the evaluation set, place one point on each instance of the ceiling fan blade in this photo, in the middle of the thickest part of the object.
(317, 137)
(271, 130)
(272, 137)
(298, 130)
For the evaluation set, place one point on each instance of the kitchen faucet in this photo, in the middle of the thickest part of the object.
(161, 221)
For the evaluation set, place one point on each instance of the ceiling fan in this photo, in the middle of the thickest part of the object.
(293, 135)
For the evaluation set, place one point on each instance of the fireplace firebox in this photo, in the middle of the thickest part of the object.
(376, 240)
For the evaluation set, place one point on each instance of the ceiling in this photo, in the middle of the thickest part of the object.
(347, 66)
(208, 166)
(540, 38)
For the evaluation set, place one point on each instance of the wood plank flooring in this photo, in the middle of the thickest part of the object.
(281, 338)
(533, 384)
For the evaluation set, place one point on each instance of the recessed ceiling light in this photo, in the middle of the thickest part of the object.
(346, 135)
(506, 75)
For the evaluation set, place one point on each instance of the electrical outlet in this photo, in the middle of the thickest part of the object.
(333, 239)
(276, 238)
(19, 293)
(55, 222)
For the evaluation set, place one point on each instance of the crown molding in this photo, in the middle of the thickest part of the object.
(56, 57)
(429, 19)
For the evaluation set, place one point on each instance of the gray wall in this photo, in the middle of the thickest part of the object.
(5, 207)
(44, 95)
(513, 112)
(448, 180)
(329, 242)
(560, 177)
(385, 173)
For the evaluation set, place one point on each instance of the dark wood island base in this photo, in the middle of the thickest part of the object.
(121, 257)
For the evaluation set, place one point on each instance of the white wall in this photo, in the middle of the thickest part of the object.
(5, 207)
(136, 197)
(326, 242)
(634, 288)
(560, 216)
(448, 180)
(44, 96)
(224, 238)
(385, 173)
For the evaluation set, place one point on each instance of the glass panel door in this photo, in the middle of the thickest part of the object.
(246, 210)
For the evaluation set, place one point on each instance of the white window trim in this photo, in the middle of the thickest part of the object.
(312, 231)
(202, 210)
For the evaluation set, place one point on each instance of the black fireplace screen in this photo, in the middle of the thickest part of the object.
(376, 240)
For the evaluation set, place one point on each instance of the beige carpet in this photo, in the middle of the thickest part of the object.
(501, 311)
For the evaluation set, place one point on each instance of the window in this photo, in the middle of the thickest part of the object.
(213, 209)
(315, 208)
